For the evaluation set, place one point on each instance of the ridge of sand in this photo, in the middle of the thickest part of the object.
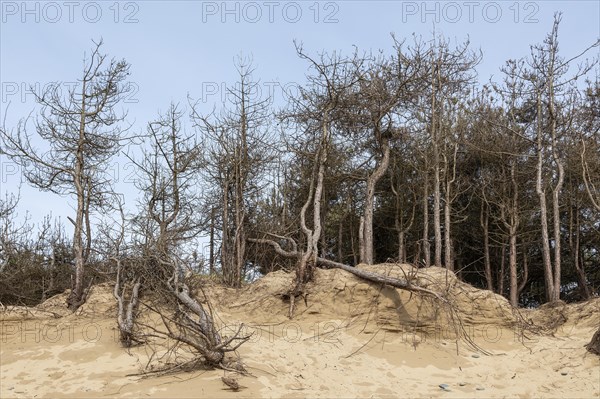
(349, 339)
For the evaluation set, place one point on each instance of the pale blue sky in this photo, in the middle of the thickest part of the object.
(181, 47)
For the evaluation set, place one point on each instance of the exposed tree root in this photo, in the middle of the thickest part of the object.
(594, 345)
(364, 274)
(188, 320)
(404, 284)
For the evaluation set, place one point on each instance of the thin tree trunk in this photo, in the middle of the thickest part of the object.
(340, 254)
(305, 269)
(513, 293)
(513, 225)
(556, 201)
(368, 211)
(484, 220)
(355, 253)
(525, 276)
(401, 229)
(448, 244)
(425, 246)
(401, 247)
(502, 269)
(436, 123)
(548, 272)
(581, 279)
(448, 260)
(225, 249)
(239, 238)
(76, 297)
(437, 224)
(361, 238)
(88, 226)
(212, 243)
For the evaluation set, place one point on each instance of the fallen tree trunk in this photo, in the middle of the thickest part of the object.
(364, 274)
(194, 325)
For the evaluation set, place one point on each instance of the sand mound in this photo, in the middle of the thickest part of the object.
(559, 317)
(339, 294)
(100, 303)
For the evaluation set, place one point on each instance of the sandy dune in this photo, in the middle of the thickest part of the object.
(350, 339)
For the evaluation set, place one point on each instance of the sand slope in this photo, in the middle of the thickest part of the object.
(349, 339)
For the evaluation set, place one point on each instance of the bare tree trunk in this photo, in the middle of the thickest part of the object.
(525, 276)
(448, 253)
(484, 220)
(239, 237)
(548, 272)
(305, 269)
(340, 247)
(226, 263)
(361, 238)
(368, 211)
(437, 223)
(126, 311)
(241, 168)
(436, 123)
(401, 247)
(513, 225)
(399, 224)
(450, 178)
(355, 253)
(76, 297)
(502, 269)
(513, 293)
(211, 265)
(88, 226)
(425, 246)
(581, 278)
(556, 194)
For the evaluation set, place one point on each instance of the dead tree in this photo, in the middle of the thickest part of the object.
(194, 325)
(129, 278)
(548, 80)
(83, 133)
(401, 225)
(450, 73)
(590, 167)
(169, 172)
(314, 112)
(238, 151)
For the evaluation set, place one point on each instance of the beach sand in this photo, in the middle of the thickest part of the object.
(349, 339)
